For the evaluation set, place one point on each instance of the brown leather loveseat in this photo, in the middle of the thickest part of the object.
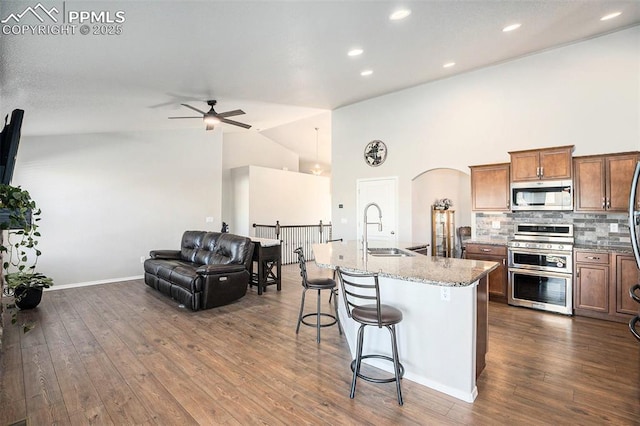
(210, 269)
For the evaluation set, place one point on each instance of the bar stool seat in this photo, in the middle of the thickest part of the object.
(317, 284)
(364, 287)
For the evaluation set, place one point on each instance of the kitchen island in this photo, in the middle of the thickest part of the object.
(442, 339)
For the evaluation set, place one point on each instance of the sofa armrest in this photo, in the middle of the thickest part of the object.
(220, 269)
(165, 254)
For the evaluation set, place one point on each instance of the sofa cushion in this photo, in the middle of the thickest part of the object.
(230, 249)
(177, 272)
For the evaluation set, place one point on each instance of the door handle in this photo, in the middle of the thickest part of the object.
(393, 233)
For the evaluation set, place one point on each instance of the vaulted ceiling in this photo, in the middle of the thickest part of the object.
(279, 61)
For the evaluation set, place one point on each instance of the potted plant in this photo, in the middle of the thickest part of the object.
(19, 216)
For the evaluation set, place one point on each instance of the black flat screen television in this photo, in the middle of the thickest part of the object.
(9, 140)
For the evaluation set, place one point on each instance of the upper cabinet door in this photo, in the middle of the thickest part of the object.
(620, 170)
(541, 164)
(555, 163)
(525, 166)
(603, 182)
(589, 184)
(490, 187)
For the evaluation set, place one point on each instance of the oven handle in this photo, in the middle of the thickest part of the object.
(540, 273)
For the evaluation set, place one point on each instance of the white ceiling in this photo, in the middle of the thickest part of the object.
(279, 61)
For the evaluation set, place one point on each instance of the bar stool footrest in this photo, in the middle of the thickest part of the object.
(377, 379)
(314, 314)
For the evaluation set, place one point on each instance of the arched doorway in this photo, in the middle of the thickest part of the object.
(436, 184)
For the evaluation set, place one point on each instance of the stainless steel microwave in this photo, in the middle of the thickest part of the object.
(542, 195)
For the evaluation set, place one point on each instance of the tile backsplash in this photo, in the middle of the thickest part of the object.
(588, 228)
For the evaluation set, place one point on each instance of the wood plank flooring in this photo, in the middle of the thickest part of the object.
(124, 354)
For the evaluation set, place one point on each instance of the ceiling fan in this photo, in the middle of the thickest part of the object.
(212, 117)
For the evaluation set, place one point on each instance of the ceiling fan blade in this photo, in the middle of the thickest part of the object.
(193, 108)
(231, 113)
(210, 127)
(171, 118)
(235, 123)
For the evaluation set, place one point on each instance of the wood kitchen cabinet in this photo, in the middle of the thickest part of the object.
(603, 182)
(490, 187)
(601, 285)
(541, 164)
(498, 278)
(627, 275)
(591, 281)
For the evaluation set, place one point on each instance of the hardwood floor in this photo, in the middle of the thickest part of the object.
(125, 354)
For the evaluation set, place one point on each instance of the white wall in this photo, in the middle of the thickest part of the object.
(108, 199)
(264, 196)
(252, 148)
(587, 94)
(437, 184)
(249, 148)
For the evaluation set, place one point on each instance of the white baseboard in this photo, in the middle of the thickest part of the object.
(88, 283)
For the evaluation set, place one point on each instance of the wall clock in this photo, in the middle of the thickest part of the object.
(375, 153)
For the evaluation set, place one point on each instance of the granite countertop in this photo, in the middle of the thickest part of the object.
(442, 271)
(490, 242)
(265, 242)
(604, 248)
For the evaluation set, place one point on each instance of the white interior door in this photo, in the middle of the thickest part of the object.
(383, 192)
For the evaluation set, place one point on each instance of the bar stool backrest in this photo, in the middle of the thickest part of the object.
(360, 290)
(303, 266)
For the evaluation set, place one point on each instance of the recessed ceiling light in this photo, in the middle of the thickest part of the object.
(399, 14)
(511, 27)
(610, 16)
(366, 73)
(448, 64)
(355, 52)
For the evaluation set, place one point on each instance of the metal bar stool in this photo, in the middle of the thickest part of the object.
(318, 284)
(361, 294)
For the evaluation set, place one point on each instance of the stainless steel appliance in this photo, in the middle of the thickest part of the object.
(634, 230)
(542, 195)
(541, 267)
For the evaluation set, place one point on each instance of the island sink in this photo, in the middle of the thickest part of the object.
(384, 251)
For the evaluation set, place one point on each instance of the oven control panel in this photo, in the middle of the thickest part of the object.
(540, 246)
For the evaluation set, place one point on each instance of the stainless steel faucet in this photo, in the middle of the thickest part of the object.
(365, 242)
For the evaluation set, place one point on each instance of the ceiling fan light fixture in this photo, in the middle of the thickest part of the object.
(210, 120)
(511, 27)
(610, 16)
(399, 14)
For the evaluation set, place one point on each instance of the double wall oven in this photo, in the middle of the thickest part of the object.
(541, 267)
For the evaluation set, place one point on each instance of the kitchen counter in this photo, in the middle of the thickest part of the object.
(442, 339)
(441, 271)
(604, 248)
(487, 242)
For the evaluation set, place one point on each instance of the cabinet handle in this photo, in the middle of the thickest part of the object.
(541, 171)
(593, 257)
(608, 203)
(538, 171)
(509, 203)
(578, 273)
(504, 261)
(486, 250)
(604, 200)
